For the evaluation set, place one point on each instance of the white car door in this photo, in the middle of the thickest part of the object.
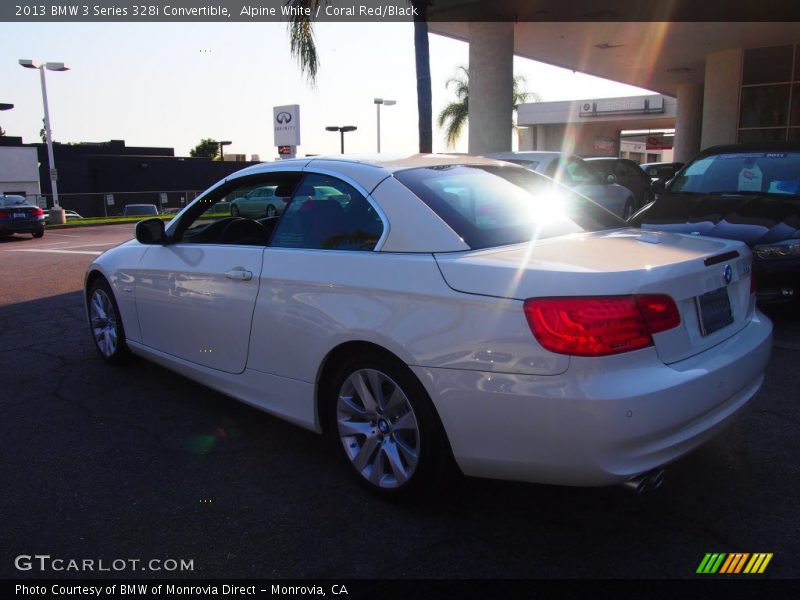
(195, 296)
(195, 301)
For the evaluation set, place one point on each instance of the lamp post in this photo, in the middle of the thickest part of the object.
(222, 149)
(342, 130)
(50, 66)
(378, 102)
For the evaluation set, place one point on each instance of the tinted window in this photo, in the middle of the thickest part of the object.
(327, 213)
(140, 209)
(764, 172)
(764, 106)
(236, 213)
(495, 206)
(6, 201)
(767, 65)
(573, 171)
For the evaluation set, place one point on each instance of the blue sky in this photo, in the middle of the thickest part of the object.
(171, 84)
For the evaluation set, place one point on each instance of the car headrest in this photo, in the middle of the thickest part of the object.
(305, 190)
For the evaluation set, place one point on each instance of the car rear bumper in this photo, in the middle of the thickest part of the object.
(11, 226)
(777, 280)
(598, 423)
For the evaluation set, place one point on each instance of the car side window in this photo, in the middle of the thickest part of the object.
(242, 212)
(329, 214)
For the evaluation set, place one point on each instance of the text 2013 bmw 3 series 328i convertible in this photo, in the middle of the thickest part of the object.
(434, 312)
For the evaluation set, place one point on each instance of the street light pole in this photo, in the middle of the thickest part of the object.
(378, 102)
(52, 66)
(342, 130)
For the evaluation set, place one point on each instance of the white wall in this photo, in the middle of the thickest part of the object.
(19, 170)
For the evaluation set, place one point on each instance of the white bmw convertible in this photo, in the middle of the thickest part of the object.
(434, 311)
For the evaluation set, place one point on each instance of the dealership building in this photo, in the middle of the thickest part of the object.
(730, 82)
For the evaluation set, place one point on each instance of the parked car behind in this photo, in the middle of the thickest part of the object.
(747, 192)
(139, 210)
(438, 309)
(20, 215)
(258, 202)
(69, 215)
(573, 172)
(626, 173)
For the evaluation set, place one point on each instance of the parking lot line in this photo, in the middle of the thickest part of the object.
(88, 245)
(63, 234)
(54, 251)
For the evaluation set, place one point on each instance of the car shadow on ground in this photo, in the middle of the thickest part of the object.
(16, 237)
(136, 461)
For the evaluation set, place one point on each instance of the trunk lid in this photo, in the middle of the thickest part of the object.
(622, 262)
(20, 213)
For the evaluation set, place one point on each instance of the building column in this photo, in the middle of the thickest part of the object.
(721, 98)
(688, 121)
(491, 74)
(541, 138)
(526, 137)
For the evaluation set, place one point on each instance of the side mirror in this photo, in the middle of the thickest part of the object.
(611, 178)
(151, 231)
(659, 185)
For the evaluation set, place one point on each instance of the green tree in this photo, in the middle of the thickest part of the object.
(303, 48)
(43, 133)
(207, 148)
(455, 115)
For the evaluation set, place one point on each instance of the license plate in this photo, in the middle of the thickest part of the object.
(21, 215)
(715, 312)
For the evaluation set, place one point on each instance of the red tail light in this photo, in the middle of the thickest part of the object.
(4, 214)
(600, 325)
(37, 212)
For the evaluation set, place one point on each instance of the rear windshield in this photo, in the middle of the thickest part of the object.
(6, 201)
(742, 172)
(141, 209)
(491, 206)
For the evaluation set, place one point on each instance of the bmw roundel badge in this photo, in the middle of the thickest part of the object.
(727, 274)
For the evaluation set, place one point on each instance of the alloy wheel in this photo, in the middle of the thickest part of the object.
(104, 323)
(378, 428)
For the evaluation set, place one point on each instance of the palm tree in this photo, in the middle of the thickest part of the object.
(301, 37)
(304, 49)
(454, 116)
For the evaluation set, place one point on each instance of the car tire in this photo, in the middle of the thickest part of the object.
(39, 234)
(105, 323)
(235, 212)
(271, 211)
(393, 440)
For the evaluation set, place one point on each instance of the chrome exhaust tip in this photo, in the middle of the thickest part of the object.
(641, 484)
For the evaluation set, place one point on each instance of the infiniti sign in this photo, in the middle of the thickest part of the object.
(286, 125)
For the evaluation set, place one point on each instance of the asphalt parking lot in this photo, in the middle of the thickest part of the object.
(137, 462)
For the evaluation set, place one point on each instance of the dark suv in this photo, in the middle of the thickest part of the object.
(748, 192)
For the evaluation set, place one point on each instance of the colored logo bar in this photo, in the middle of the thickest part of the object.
(734, 563)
